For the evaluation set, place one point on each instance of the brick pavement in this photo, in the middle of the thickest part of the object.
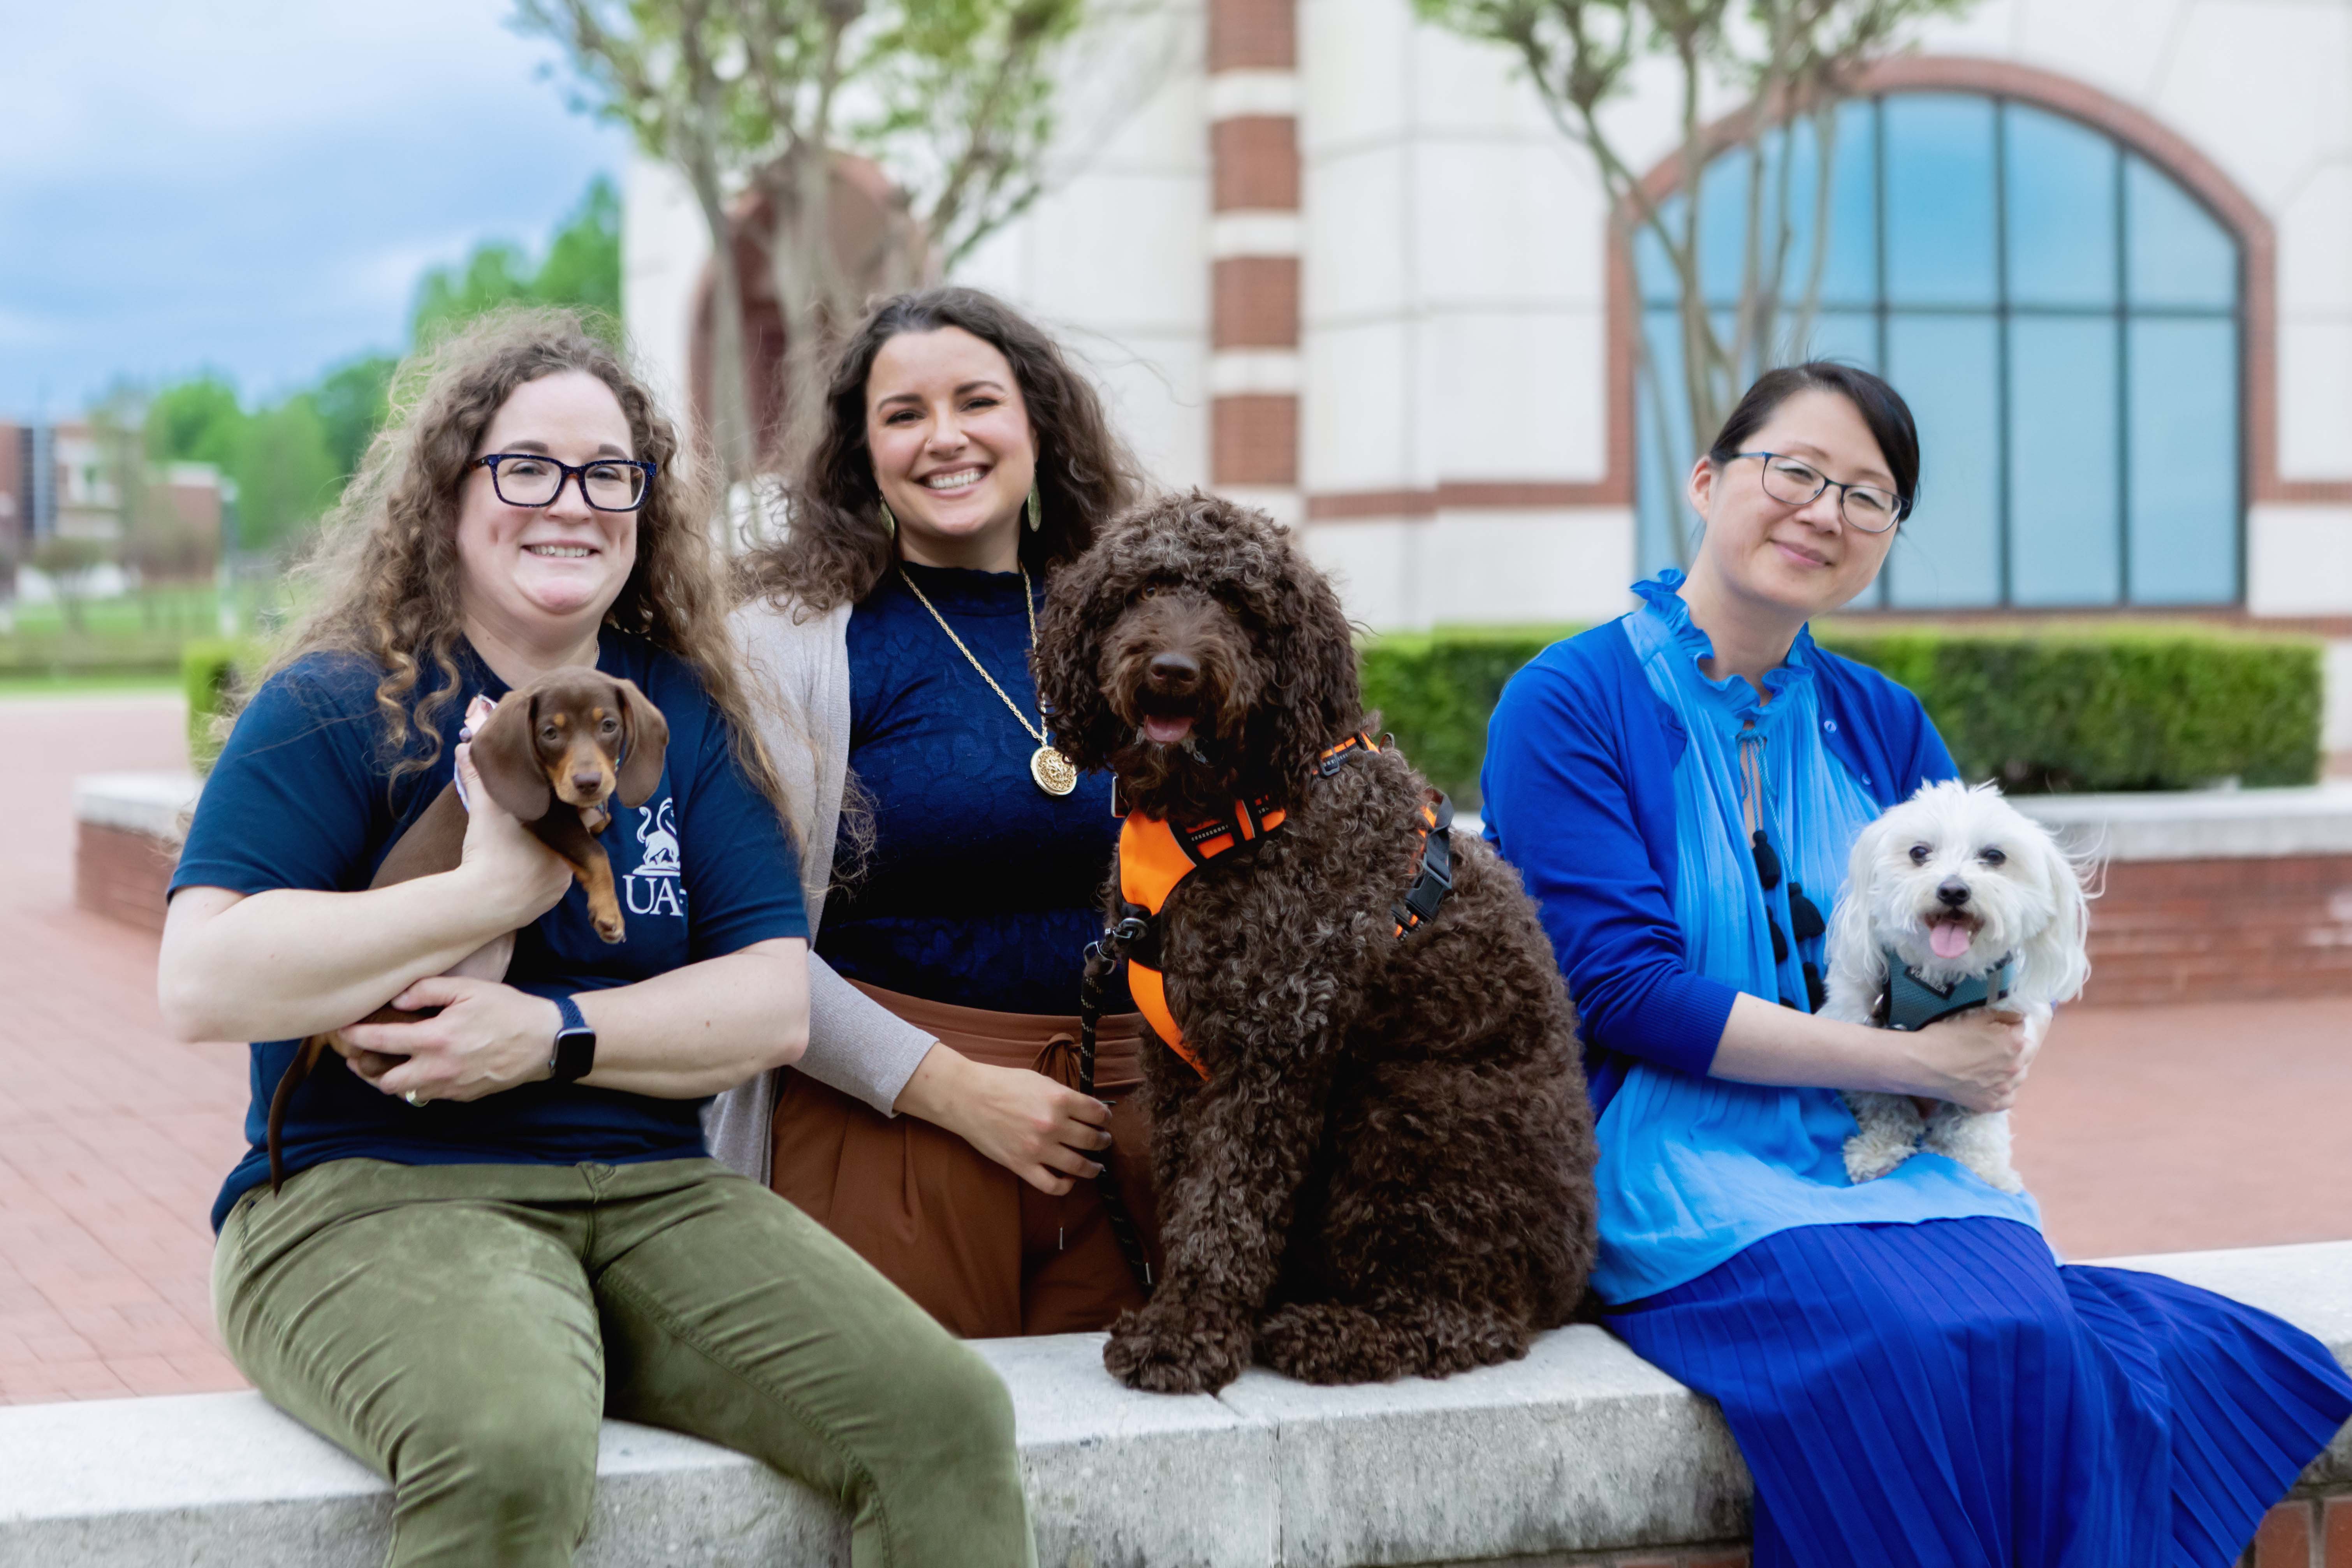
(2144, 1129)
(112, 1138)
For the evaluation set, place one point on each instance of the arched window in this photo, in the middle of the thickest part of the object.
(2063, 317)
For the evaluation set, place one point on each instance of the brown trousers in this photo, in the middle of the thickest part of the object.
(982, 1251)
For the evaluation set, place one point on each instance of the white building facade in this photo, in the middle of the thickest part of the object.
(1342, 264)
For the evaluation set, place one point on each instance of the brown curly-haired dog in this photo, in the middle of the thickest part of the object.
(1387, 1169)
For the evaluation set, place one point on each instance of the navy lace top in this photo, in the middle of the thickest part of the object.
(981, 890)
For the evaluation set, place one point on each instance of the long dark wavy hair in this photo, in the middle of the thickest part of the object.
(836, 548)
(384, 583)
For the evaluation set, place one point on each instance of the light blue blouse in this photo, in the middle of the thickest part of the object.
(1694, 1169)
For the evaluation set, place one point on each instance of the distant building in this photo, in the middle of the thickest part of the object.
(1342, 265)
(59, 482)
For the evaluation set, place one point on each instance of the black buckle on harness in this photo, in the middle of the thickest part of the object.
(1136, 935)
(1437, 876)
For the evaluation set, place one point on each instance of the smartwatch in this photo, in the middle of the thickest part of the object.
(575, 1056)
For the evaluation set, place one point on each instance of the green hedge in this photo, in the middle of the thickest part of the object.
(45, 654)
(210, 671)
(2084, 708)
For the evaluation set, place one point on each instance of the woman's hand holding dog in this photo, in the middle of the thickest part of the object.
(488, 1037)
(1977, 1061)
(503, 864)
(1023, 1120)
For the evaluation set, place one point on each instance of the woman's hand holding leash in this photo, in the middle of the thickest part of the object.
(1023, 1120)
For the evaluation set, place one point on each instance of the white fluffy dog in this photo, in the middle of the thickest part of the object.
(1952, 898)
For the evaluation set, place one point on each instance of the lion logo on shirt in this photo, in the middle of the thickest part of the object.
(653, 887)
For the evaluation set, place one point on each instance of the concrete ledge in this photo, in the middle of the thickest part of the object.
(1580, 1448)
(2201, 825)
(151, 803)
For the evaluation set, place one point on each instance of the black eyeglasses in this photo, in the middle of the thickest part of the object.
(1792, 481)
(531, 478)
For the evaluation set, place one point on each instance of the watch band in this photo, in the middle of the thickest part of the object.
(574, 1056)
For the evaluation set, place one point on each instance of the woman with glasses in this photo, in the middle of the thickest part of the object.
(1910, 1375)
(501, 1222)
(936, 1123)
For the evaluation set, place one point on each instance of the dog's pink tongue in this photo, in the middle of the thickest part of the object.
(1950, 939)
(1166, 731)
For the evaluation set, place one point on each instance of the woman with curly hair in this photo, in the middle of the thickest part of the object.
(960, 461)
(490, 1238)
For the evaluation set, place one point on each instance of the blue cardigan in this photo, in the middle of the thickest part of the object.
(1580, 797)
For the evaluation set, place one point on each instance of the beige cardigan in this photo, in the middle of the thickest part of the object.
(798, 675)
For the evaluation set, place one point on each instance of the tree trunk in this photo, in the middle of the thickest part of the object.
(810, 291)
(730, 422)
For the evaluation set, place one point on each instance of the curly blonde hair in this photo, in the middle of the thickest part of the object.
(384, 583)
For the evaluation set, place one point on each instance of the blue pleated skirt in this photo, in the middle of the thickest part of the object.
(1946, 1394)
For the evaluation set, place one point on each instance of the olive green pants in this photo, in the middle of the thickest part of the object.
(463, 1329)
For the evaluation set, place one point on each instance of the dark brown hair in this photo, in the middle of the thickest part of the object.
(1881, 406)
(386, 576)
(837, 547)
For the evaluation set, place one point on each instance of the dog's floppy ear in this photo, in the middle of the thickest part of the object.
(2054, 966)
(1083, 602)
(1314, 697)
(509, 762)
(645, 735)
(1853, 953)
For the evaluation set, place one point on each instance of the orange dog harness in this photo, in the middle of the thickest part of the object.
(1154, 857)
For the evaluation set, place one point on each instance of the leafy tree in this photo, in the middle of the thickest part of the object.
(583, 267)
(351, 400)
(1793, 60)
(288, 459)
(67, 561)
(953, 97)
(285, 474)
(447, 297)
(194, 421)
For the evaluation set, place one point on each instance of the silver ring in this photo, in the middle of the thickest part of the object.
(414, 1099)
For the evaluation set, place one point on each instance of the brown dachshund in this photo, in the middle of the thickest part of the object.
(552, 752)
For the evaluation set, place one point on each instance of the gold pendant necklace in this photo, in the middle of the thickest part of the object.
(1054, 773)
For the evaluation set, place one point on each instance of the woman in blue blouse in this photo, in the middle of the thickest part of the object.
(934, 1123)
(1912, 1376)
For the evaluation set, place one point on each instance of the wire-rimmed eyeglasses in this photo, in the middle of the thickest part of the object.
(1792, 481)
(534, 479)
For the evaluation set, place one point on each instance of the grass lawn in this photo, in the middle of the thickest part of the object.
(136, 639)
(64, 688)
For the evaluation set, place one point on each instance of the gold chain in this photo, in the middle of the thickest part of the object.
(1037, 731)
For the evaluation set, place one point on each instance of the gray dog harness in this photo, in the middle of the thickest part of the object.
(1914, 1003)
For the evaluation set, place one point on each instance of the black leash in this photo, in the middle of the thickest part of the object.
(1103, 956)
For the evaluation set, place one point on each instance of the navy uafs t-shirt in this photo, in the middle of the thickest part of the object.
(303, 797)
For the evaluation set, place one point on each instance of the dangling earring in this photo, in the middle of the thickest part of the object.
(889, 519)
(1036, 509)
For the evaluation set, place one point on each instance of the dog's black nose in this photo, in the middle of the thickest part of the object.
(1173, 669)
(588, 784)
(1952, 891)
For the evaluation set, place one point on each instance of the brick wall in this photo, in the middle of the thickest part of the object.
(2304, 1532)
(2301, 1532)
(122, 874)
(2179, 931)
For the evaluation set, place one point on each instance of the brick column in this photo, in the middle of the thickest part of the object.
(1253, 244)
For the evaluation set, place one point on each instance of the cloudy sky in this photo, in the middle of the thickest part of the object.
(256, 185)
